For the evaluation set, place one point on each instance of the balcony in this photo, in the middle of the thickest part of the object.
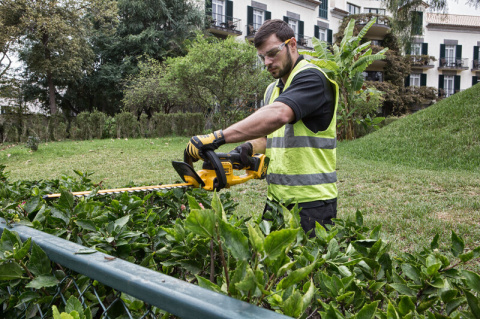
(251, 29)
(304, 42)
(224, 25)
(379, 29)
(453, 64)
(476, 65)
(421, 62)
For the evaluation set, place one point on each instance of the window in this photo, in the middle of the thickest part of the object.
(258, 16)
(450, 55)
(322, 34)
(294, 25)
(377, 42)
(416, 49)
(353, 9)
(375, 10)
(415, 80)
(448, 85)
(323, 9)
(218, 11)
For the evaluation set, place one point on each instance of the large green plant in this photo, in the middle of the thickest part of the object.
(345, 64)
(343, 272)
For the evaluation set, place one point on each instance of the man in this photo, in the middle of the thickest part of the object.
(300, 124)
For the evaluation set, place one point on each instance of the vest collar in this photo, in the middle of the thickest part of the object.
(280, 83)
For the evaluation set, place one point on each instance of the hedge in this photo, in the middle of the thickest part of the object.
(15, 128)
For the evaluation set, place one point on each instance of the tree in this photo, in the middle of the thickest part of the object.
(346, 65)
(53, 36)
(150, 91)
(223, 77)
(154, 29)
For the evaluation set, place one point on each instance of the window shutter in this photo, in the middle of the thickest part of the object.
(268, 15)
(424, 48)
(456, 83)
(229, 10)
(423, 79)
(249, 19)
(301, 25)
(440, 81)
(316, 32)
(442, 51)
(458, 53)
(474, 80)
(407, 81)
(329, 36)
(285, 19)
(475, 52)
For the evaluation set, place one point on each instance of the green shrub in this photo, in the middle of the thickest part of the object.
(162, 125)
(97, 124)
(127, 125)
(82, 124)
(145, 127)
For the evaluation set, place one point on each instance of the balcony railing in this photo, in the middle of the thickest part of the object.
(304, 42)
(476, 64)
(454, 64)
(422, 61)
(224, 25)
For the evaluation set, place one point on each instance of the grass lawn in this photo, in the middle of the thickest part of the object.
(416, 177)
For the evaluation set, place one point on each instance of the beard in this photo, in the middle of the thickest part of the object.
(287, 68)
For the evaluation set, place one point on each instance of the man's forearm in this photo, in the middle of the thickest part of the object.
(261, 123)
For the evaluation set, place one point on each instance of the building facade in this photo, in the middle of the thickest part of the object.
(452, 39)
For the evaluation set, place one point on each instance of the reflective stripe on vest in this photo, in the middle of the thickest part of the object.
(302, 163)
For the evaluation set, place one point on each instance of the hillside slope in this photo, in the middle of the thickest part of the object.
(443, 136)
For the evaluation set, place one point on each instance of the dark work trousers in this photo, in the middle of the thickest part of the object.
(318, 211)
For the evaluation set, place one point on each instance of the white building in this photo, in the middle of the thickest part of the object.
(453, 39)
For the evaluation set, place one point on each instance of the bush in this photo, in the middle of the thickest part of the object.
(343, 271)
(96, 125)
(127, 125)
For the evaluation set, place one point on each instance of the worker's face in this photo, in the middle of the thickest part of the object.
(276, 56)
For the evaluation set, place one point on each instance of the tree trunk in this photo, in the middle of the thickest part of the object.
(51, 94)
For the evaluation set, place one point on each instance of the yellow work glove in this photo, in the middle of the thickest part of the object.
(200, 143)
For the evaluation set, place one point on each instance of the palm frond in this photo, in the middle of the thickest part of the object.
(365, 61)
(348, 33)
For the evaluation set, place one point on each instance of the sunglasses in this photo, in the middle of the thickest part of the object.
(273, 52)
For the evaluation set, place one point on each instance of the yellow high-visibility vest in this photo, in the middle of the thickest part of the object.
(302, 163)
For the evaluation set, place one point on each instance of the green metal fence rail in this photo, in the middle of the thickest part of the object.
(170, 294)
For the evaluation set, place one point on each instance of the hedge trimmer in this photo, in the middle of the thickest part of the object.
(216, 173)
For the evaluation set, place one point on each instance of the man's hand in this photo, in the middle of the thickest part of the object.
(245, 150)
(200, 143)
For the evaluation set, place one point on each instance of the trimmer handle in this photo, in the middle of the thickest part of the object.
(213, 160)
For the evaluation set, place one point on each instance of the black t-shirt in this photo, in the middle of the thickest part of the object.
(311, 97)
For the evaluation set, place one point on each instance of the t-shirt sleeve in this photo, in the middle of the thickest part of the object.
(307, 92)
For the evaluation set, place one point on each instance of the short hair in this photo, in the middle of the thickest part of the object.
(276, 26)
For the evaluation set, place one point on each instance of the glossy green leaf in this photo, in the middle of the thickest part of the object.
(453, 304)
(278, 241)
(217, 207)
(367, 311)
(411, 272)
(359, 217)
(405, 305)
(31, 204)
(235, 240)
(9, 240)
(66, 200)
(43, 281)
(86, 224)
(192, 202)
(73, 304)
(293, 305)
(472, 279)
(296, 276)
(457, 244)
(473, 304)
(392, 312)
(10, 271)
(404, 289)
(39, 264)
(207, 284)
(201, 222)
(22, 252)
(256, 238)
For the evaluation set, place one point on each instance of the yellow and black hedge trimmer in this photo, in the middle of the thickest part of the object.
(216, 173)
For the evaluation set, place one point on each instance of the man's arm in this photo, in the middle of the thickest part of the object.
(258, 125)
